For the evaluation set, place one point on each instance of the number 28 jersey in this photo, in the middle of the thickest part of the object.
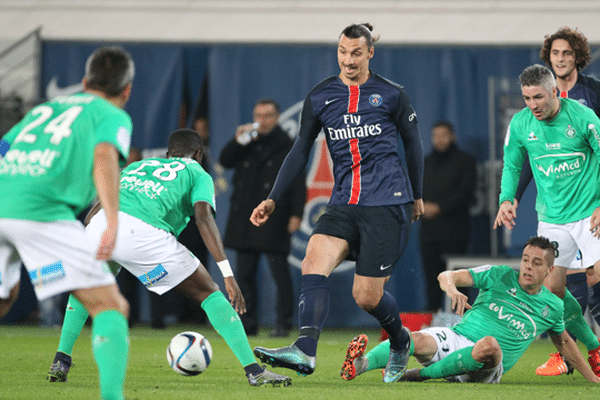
(46, 175)
(162, 191)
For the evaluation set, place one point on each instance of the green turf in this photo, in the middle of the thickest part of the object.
(26, 353)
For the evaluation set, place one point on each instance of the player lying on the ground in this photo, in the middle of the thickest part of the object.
(158, 196)
(511, 310)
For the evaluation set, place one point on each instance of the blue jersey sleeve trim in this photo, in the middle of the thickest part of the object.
(292, 167)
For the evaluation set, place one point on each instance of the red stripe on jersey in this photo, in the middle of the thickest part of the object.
(355, 192)
(353, 101)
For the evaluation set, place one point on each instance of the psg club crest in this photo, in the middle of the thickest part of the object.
(319, 184)
(375, 100)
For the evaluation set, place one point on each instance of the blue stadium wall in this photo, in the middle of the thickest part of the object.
(443, 82)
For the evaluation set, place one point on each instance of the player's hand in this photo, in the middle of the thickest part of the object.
(107, 244)
(459, 302)
(506, 215)
(235, 295)
(417, 209)
(595, 223)
(261, 213)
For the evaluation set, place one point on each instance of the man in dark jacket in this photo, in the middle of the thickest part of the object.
(449, 181)
(256, 153)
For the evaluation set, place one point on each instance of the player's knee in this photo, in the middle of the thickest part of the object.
(592, 277)
(487, 349)
(124, 307)
(365, 300)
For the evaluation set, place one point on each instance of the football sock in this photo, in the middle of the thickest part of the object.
(110, 345)
(576, 324)
(456, 363)
(313, 309)
(388, 316)
(253, 369)
(577, 285)
(227, 323)
(378, 356)
(75, 317)
(594, 302)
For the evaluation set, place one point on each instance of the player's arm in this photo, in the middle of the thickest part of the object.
(593, 139)
(449, 283)
(569, 350)
(524, 180)
(106, 178)
(293, 165)
(514, 157)
(203, 214)
(406, 122)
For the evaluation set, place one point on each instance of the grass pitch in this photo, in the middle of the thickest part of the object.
(26, 354)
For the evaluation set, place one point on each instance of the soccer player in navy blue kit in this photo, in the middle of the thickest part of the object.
(372, 205)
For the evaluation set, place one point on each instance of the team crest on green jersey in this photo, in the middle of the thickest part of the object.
(545, 312)
(570, 132)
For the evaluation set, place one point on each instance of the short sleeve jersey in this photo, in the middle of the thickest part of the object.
(564, 157)
(162, 192)
(362, 125)
(46, 175)
(508, 313)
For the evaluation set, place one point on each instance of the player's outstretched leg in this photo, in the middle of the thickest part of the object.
(355, 364)
(227, 323)
(301, 355)
(75, 317)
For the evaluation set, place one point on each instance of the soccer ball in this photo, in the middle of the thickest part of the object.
(189, 353)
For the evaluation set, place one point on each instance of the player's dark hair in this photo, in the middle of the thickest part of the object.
(538, 75)
(356, 31)
(543, 243)
(109, 70)
(576, 40)
(444, 124)
(184, 143)
(267, 101)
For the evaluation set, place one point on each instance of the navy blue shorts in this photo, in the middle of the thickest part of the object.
(377, 235)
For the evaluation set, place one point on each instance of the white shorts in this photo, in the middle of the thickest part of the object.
(153, 255)
(448, 342)
(571, 238)
(58, 256)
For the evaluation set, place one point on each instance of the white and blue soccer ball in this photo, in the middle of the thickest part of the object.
(189, 353)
